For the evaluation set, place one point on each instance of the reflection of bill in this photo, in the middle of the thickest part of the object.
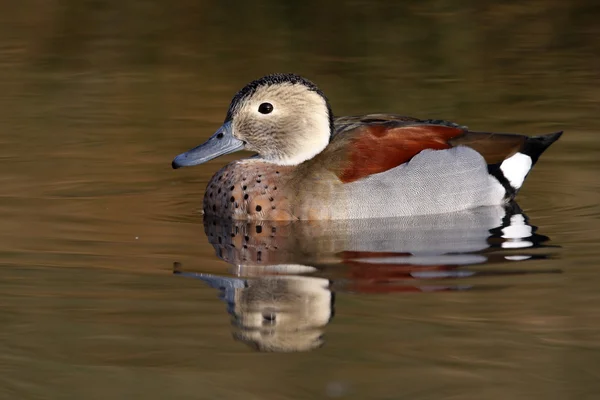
(276, 313)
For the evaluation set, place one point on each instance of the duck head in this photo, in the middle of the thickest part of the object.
(284, 118)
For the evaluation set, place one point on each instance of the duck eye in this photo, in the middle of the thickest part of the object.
(265, 108)
(269, 318)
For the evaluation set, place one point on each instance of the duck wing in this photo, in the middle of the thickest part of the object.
(374, 143)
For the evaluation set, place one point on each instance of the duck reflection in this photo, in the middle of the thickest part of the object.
(281, 296)
(276, 313)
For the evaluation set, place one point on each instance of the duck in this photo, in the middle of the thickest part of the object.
(310, 165)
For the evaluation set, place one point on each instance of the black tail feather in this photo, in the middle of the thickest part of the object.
(535, 145)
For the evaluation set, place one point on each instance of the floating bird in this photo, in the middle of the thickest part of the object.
(312, 166)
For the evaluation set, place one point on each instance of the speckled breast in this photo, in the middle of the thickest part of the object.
(249, 190)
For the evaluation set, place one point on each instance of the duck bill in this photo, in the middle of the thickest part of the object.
(222, 142)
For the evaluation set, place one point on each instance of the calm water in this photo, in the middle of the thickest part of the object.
(112, 285)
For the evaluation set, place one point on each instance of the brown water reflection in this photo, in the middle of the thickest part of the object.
(286, 273)
(97, 96)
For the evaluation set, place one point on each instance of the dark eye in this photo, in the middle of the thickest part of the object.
(265, 108)
(269, 318)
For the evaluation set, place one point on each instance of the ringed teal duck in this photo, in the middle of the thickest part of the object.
(312, 166)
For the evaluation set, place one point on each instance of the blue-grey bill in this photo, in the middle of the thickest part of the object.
(221, 143)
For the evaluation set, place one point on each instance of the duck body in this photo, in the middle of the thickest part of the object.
(376, 165)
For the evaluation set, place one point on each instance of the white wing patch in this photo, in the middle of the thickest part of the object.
(516, 168)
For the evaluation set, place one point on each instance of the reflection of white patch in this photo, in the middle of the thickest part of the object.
(515, 232)
(515, 169)
(516, 244)
(517, 258)
(518, 228)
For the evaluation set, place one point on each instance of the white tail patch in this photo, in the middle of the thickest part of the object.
(516, 232)
(516, 168)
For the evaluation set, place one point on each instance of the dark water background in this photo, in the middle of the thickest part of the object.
(96, 97)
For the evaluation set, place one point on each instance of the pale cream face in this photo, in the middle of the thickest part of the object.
(296, 130)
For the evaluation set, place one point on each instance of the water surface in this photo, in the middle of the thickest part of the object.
(113, 285)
